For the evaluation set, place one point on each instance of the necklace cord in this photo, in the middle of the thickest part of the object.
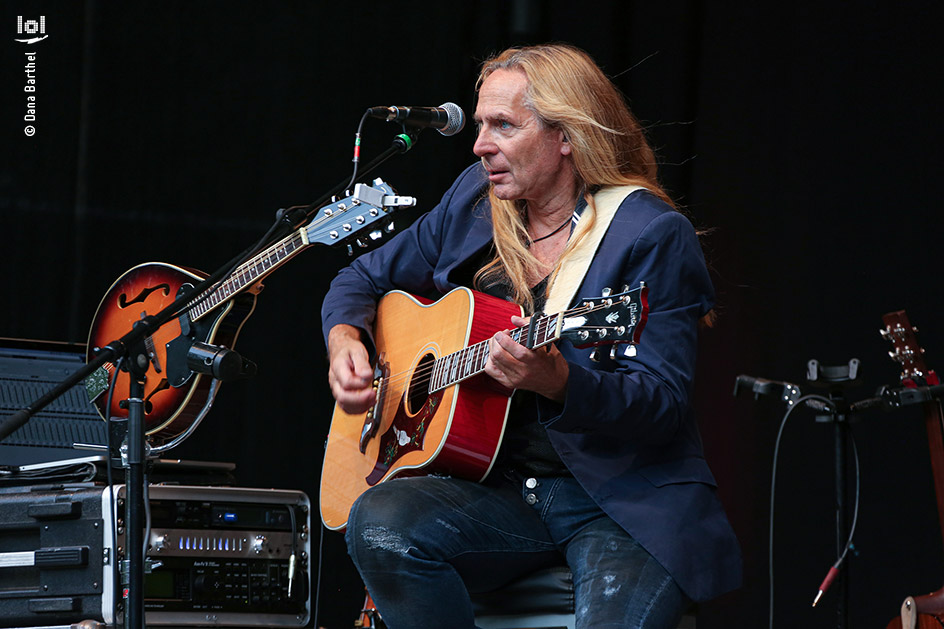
(546, 236)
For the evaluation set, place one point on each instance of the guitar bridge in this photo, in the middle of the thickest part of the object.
(375, 415)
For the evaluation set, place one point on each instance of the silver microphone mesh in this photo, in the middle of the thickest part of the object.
(456, 119)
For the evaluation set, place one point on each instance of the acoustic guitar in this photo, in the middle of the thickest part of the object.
(436, 411)
(927, 611)
(174, 394)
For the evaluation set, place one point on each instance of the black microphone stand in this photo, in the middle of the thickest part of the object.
(293, 218)
(134, 488)
(130, 350)
(836, 380)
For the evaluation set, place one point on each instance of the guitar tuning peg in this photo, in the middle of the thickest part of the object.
(390, 227)
(348, 193)
(606, 292)
(595, 354)
(630, 351)
(625, 288)
(350, 250)
(334, 198)
(613, 352)
(376, 234)
(361, 244)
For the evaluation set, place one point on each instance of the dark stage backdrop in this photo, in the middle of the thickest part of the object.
(806, 136)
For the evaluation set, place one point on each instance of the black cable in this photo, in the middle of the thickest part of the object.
(357, 150)
(834, 570)
(111, 495)
(147, 518)
(321, 530)
(773, 485)
(292, 560)
(291, 517)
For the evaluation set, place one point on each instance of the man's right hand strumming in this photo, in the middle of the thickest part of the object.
(350, 374)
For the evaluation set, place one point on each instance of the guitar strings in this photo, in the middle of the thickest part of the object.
(423, 375)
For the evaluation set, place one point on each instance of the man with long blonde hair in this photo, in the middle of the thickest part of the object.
(601, 464)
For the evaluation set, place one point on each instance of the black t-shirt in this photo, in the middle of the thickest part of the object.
(525, 447)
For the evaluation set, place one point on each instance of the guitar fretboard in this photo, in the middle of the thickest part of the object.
(470, 361)
(251, 272)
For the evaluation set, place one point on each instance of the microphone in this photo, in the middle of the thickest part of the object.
(448, 118)
(219, 362)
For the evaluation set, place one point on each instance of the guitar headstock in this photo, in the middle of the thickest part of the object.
(610, 319)
(359, 217)
(907, 352)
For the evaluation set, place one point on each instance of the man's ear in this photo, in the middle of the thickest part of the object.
(565, 145)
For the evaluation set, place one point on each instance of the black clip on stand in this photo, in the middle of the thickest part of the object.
(131, 348)
(836, 380)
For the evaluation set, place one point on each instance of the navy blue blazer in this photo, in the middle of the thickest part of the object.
(627, 430)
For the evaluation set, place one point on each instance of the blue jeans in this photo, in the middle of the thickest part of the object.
(422, 544)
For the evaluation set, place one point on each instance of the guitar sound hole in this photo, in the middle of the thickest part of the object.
(419, 384)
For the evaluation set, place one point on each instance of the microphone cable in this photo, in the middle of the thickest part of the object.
(357, 149)
(115, 572)
(834, 571)
(321, 531)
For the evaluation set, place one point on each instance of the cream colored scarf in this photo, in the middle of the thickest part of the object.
(574, 266)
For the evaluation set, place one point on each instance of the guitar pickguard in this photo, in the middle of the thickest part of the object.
(405, 434)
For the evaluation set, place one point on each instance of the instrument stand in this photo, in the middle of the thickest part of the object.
(135, 497)
(836, 380)
(136, 364)
(835, 409)
(132, 349)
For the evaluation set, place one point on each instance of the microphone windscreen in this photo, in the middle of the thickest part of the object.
(456, 119)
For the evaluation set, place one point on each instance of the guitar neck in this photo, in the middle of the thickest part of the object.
(251, 271)
(470, 361)
(915, 373)
(608, 320)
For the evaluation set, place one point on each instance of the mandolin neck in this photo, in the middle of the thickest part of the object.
(251, 272)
